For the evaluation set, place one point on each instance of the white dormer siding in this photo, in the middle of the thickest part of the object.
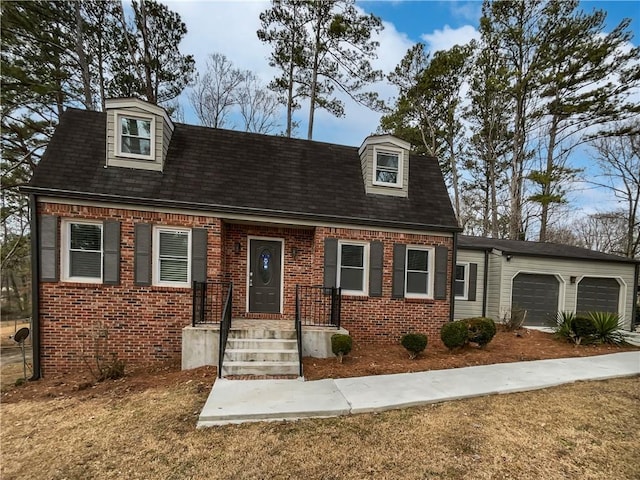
(385, 165)
(138, 134)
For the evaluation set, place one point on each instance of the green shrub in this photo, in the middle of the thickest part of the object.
(583, 328)
(341, 345)
(564, 327)
(481, 330)
(606, 328)
(454, 334)
(414, 343)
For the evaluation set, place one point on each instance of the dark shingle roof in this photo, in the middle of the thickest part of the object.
(537, 249)
(237, 172)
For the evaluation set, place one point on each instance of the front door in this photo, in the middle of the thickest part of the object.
(265, 275)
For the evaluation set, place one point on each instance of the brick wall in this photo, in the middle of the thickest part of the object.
(144, 324)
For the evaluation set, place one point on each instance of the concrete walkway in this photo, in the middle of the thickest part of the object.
(239, 401)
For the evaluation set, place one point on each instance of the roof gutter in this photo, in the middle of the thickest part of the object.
(235, 210)
(485, 281)
(454, 259)
(634, 305)
(35, 291)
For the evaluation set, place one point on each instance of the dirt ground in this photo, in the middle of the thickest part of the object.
(523, 345)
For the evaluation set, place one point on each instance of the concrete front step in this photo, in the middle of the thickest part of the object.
(262, 333)
(260, 355)
(260, 368)
(262, 343)
(261, 350)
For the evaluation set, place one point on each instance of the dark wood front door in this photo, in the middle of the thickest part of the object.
(265, 276)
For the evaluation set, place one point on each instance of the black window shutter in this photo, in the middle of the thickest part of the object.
(376, 253)
(199, 255)
(142, 249)
(48, 248)
(330, 262)
(473, 279)
(111, 255)
(440, 288)
(399, 254)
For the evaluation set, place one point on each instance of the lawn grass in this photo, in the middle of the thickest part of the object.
(588, 430)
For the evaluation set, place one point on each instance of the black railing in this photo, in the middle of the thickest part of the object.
(225, 326)
(209, 301)
(318, 306)
(299, 331)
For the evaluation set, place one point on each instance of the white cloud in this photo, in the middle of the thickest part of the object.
(448, 37)
(469, 11)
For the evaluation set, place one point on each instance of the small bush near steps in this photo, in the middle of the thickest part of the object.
(454, 334)
(341, 345)
(414, 343)
(481, 330)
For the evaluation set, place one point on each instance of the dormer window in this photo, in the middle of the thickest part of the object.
(387, 169)
(135, 137)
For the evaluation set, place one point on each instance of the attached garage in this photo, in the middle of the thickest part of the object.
(538, 295)
(598, 295)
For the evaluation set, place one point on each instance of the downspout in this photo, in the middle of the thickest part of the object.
(634, 304)
(35, 288)
(485, 281)
(454, 259)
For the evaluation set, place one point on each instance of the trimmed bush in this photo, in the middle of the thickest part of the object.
(481, 330)
(454, 334)
(583, 327)
(341, 345)
(414, 343)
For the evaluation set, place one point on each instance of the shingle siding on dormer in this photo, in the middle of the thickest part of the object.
(367, 161)
(161, 135)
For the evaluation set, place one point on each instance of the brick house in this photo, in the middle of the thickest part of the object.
(130, 209)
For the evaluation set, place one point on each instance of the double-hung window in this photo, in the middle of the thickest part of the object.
(353, 259)
(387, 168)
(172, 256)
(135, 137)
(461, 284)
(82, 255)
(418, 273)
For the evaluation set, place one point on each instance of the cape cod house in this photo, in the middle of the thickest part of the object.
(151, 237)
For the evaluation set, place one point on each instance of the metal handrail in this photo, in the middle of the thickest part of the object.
(298, 322)
(208, 301)
(319, 305)
(225, 326)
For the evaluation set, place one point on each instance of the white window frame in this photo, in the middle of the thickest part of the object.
(465, 295)
(65, 256)
(365, 267)
(152, 139)
(388, 151)
(156, 256)
(430, 272)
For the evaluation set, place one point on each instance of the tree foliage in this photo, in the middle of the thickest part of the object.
(321, 49)
(544, 79)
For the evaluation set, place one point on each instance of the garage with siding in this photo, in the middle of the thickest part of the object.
(538, 295)
(597, 294)
(544, 278)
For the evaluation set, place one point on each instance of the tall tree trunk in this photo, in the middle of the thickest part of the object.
(83, 63)
(150, 92)
(314, 77)
(548, 178)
